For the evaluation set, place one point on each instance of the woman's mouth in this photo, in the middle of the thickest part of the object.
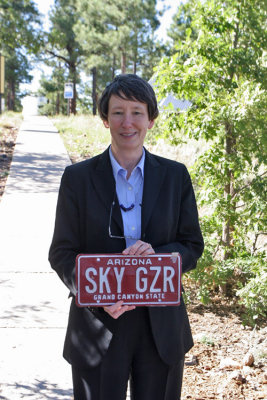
(129, 134)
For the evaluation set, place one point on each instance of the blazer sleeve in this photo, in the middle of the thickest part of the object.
(66, 239)
(188, 239)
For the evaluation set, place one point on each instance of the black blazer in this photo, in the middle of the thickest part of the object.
(169, 224)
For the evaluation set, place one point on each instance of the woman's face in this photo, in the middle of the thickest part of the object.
(128, 122)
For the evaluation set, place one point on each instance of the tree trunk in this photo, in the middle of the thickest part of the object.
(73, 76)
(229, 189)
(73, 100)
(57, 104)
(134, 67)
(113, 67)
(123, 62)
(229, 194)
(94, 91)
(11, 96)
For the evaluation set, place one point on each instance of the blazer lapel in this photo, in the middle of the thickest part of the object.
(104, 184)
(154, 174)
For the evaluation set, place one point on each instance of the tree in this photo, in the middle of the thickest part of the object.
(17, 71)
(136, 35)
(118, 36)
(182, 24)
(90, 29)
(222, 72)
(52, 88)
(62, 42)
(20, 25)
(19, 37)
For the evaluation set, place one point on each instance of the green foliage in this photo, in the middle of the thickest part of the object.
(20, 25)
(253, 293)
(115, 41)
(63, 46)
(52, 89)
(209, 341)
(181, 26)
(223, 73)
(101, 35)
(20, 39)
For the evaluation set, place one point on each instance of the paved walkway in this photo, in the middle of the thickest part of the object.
(33, 301)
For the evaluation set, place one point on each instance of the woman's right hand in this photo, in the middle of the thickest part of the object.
(117, 309)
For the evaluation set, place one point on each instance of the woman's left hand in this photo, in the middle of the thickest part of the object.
(140, 248)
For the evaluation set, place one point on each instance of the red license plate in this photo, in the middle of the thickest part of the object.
(151, 280)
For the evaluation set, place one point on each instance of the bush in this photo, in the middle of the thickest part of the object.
(253, 293)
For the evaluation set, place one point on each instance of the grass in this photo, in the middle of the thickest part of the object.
(9, 120)
(83, 135)
(209, 341)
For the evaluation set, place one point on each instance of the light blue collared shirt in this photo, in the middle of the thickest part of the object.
(130, 192)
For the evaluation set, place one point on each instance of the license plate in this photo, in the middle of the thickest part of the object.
(151, 280)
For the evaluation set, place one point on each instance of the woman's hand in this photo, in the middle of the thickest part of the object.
(117, 309)
(139, 249)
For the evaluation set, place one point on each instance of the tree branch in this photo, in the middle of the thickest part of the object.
(58, 56)
(257, 235)
(246, 186)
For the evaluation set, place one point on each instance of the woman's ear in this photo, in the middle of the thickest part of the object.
(106, 124)
(151, 124)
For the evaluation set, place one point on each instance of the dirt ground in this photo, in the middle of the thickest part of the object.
(228, 360)
(8, 136)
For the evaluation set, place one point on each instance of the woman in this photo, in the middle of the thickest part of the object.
(127, 201)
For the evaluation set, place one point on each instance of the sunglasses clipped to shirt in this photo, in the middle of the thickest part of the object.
(125, 209)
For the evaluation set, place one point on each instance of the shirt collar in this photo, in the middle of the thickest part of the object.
(116, 167)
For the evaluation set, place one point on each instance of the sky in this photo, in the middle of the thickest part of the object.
(166, 20)
(44, 7)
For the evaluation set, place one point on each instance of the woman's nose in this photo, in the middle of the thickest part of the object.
(127, 120)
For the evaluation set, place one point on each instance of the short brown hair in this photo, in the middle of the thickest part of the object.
(129, 87)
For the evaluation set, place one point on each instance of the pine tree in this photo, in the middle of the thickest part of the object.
(118, 37)
(20, 37)
(62, 43)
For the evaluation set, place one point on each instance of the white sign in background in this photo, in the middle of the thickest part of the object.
(68, 91)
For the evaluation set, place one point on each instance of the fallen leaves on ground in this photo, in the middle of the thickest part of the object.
(228, 361)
